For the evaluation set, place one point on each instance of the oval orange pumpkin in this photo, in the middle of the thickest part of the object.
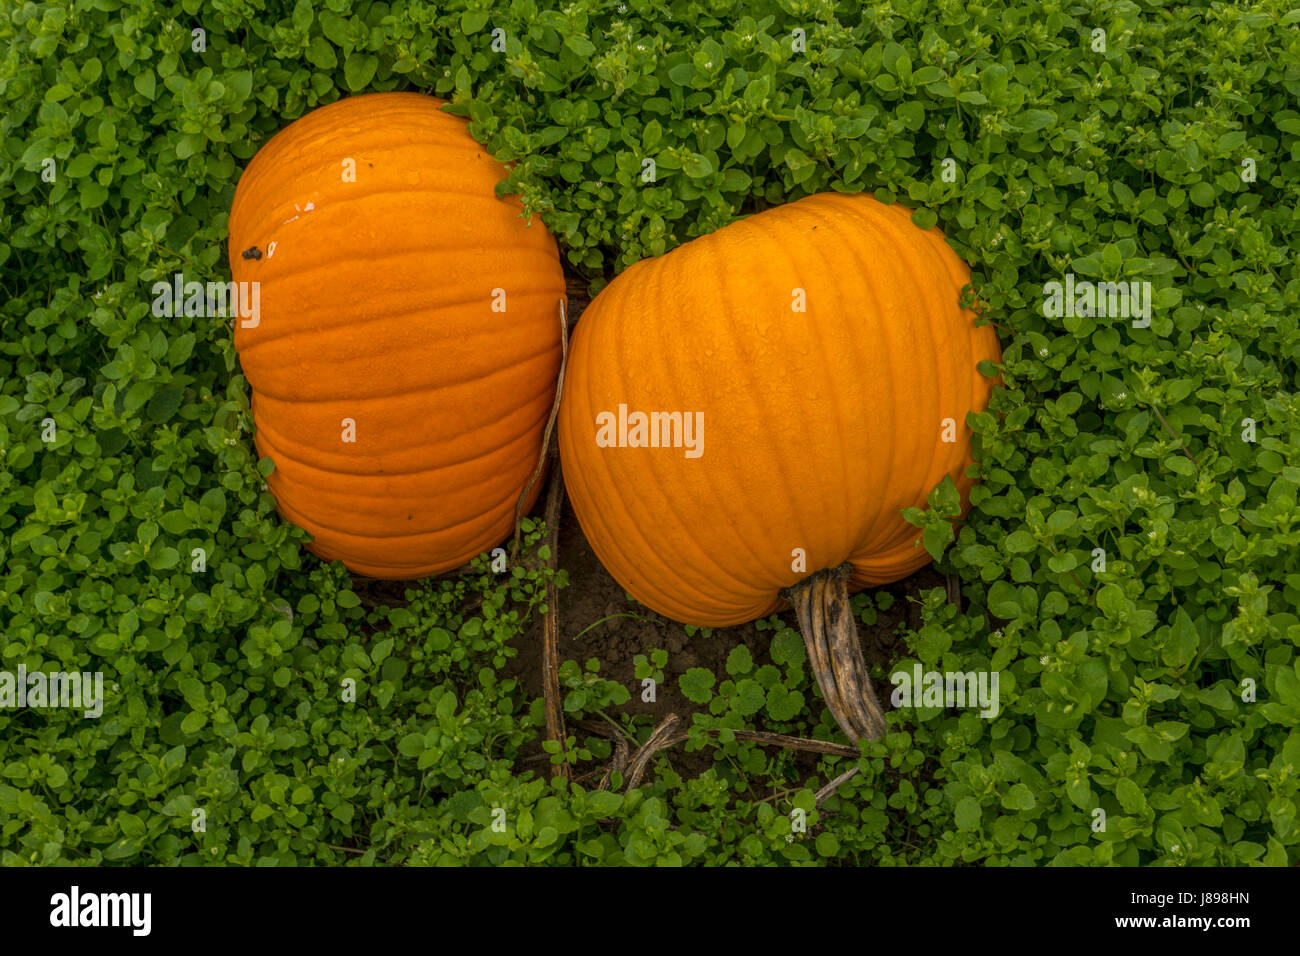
(404, 353)
(812, 428)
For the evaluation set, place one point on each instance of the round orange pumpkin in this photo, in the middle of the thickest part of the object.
(821, 350)
(404, 351)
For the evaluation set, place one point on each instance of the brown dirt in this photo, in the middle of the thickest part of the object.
(592, 594)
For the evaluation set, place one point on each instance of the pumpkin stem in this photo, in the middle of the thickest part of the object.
(821, 602)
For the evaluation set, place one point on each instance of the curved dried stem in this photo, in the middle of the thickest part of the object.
(830, 788)
(662, 737)
(555, 729)
(547, 450)
(821, 603)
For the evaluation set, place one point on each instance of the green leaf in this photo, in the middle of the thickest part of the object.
(603, 803)
(749, 697)
(739, 661)
(1183, 642)
(471, 21)
(302, 15)
(788, 648)
(1035, 119)
(412, 745)
(967, 814)
(1020, 542)
(321, 54)
(359, 70)
(697, 684)
(784, 704)
(827, 845)
(1019, 797)
(1202, 194)
(1130, 797)
(79, 166)
(580, 45)
(697, 166)
(164, 403)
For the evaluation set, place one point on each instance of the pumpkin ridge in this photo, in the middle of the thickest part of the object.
(420, 389)
(264, 430)
(710, 256)
(655, 274)
(417, 390)
(321, 126)
(913, 255)
(271, 216)
(864, 514)
(342, 531)
(838, 321)
(592, 518)
(922, 258)
(874, 278)
(351, 324)
(949, 350)
(715, 262)
(801, 511)
(372, 255)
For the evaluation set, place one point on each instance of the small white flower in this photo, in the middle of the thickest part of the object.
(1043, 660)
(1043, 352)
(1121, 395)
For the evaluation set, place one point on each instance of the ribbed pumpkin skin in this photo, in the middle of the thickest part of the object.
(818, 427)
(376, 306)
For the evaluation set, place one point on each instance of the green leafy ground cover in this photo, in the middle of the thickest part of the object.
(1163, 690)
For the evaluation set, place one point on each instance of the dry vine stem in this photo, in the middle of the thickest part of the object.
(821, 602)
(547, 450)
(555, 729)
(668, 734)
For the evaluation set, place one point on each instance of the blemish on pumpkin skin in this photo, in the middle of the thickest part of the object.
(304, 210)
(252, 252)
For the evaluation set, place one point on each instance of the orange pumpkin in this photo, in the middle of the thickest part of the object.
(404, 351)
(814, 354)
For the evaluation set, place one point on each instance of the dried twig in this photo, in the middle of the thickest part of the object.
(555, 729)
(662, 737)
(834, 785)
(794, 743)
(547, 451)
(618, 764)
(551, 627)
(621, 749)
(668, 734)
